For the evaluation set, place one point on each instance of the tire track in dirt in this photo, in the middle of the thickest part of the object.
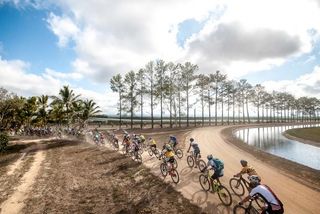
(14, 203)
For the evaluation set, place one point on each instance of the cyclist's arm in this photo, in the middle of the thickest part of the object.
(189, 147)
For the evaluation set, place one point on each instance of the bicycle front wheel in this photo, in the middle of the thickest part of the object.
(201, 165)
(224, 196)
(179, 153)
(175, 164)
(174, 176)
(150, 152)
(190, 161)
(236, 186)
(163, 169)
(204, 182)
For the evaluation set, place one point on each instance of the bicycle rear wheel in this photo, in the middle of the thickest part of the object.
(179, 153)
(236, 186)
(190, 161)
(204, 182)
(175, 164)
(138, 158)
(224, 195)
(174, 176)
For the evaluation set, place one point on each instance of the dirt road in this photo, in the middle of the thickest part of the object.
(297, 198)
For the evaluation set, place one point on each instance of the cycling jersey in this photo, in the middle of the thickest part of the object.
(168, 154)
(152, 142)
(214, 167)
(249, 170)
(266, 194)
(195, 147)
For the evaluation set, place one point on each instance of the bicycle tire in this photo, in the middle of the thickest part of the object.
(163, 169)
(179, 153)
(260, 202)
(237, 186)
(204, 182)
(157, 153)
(190, 161)
(174, 176)
(138, 158)
(224, 195)
(201, 165)
(150, 152)
(175, 164)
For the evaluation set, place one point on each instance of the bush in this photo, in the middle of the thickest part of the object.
(4, 140)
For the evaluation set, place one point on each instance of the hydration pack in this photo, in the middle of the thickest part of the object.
(219, 163)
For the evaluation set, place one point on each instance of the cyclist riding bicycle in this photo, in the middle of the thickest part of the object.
(168, 155)
(216, 165)
(195, 147)
(274, 205)
(142, 138)
(173, 141)
(152, 143)
(246, 169)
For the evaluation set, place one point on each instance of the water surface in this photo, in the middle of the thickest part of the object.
(271, 140)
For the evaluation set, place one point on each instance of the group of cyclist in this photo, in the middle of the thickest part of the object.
(273, 204)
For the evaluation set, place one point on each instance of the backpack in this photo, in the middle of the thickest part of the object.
(219, 163)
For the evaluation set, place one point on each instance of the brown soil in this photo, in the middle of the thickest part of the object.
(82, 178)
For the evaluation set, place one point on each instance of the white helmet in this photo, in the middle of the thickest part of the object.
(254, 179)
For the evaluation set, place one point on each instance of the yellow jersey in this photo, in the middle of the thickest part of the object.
(152, 142)
(169, 154)
(249, 170)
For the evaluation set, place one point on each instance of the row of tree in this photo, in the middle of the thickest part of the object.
(177, 88)
(66, 108)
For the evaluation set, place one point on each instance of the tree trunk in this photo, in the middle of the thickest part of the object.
(216, 103)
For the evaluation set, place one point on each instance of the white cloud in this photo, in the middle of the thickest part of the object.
(63, 27)
(306, 85)
(61, 75)
(118, 36)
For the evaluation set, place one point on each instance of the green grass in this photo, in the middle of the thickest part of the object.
(312, 134)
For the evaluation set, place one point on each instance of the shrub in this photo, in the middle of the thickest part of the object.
(4, 139)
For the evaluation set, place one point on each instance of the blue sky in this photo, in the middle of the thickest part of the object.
(83, 44)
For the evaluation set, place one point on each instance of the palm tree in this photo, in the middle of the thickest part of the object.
(66, 99)
(42, 102)
(89, 109)
(116, 85)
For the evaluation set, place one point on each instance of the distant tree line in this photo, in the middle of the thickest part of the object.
(65, 109)
(177, 88)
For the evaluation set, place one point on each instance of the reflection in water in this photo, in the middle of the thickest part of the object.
(271, 140)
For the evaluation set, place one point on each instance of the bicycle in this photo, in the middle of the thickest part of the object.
(192, 159)
(175, 163)
(223, 192)
(172, 172)
(153, 151)
(246, 210)
(178, 153)
(238, 185)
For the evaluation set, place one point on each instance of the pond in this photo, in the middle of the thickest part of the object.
(271, 140)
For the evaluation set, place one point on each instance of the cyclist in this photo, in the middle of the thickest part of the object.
(274, 205)
(135, 147)
(196, 149)
(142, 138)
(152, 143)
(216, 165)
(246, 169)
(173, 141)
(169, 155)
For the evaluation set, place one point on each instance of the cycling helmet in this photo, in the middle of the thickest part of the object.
(168, 147)
(254, 179)
(209, 157)
(150, 138)
(244, 162)
(191, 139)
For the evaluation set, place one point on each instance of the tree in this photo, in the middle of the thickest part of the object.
(188, 75)
(141, 91)
(160, 69)
(202, 84)
(66, 99)
(130, 94)
(150, 75)
(42, 102)
(116, 85)
(217, 80)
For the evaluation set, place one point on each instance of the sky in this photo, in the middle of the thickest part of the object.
(47, 44)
